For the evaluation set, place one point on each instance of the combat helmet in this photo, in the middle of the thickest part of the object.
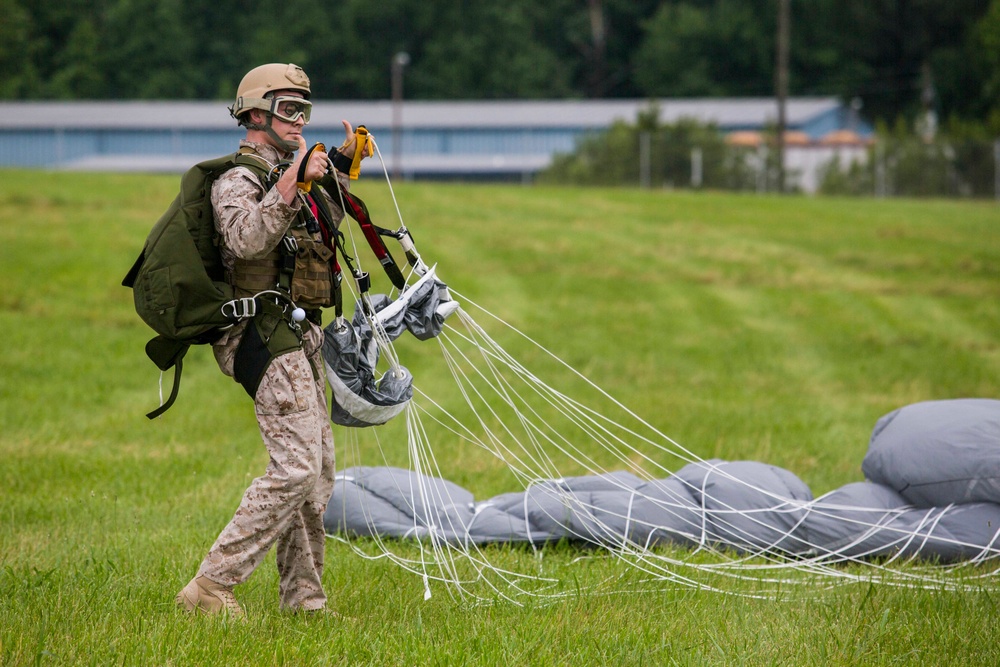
(257, 91)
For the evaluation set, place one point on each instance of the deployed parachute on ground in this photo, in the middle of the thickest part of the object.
(933, 491)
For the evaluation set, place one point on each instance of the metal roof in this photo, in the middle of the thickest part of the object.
(426, 165)
(573, 114)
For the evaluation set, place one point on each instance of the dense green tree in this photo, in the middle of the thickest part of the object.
(897, 56)
(292, 31)
(487, 50)
(985, 58)
(652, 153)
(595, 40)
(150, 51)
(710, 50)
(78, 64)
(355, 60)
(57, 34)
(19, 75)
(893, 44)
(223, 44)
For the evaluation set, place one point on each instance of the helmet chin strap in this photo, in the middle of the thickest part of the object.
(288, 146)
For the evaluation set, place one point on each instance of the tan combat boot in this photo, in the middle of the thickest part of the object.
(204, 595)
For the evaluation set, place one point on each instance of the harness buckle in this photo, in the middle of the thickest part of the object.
(363, 281)
(240, 309)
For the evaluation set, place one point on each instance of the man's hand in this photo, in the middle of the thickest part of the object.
(317, 167)
(350, 145)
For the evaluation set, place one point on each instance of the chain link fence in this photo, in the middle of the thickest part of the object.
(695, 156)
(912, 167)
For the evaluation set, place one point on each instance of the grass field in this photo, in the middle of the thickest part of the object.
(745, 327)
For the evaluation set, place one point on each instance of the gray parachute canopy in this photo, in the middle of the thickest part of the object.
(351, 353)
(933, 491)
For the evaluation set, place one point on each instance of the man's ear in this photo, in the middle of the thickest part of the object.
(258, 116)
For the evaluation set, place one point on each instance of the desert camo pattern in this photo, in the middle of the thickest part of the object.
(283, 507)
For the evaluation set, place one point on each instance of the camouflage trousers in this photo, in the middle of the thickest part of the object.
(283, 507)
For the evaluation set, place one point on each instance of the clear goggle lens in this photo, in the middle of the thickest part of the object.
(290, 109)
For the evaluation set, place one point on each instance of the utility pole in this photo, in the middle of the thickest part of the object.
(781, 85)
(399, 61)
(597, 79)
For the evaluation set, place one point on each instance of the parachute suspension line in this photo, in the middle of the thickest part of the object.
(660, 567)
(388, 181)
(572, 500)
(447, 556)
(423, 494)
(579, 415)
(414, 437)
(776, 559)
(508, 422)
(538, 458)
(402, 234)
(688, 456)
(538, 434)
(493, 356)
(440, 560)
(504, 584)
(531, 464)
(439, 556)
(417, 567)
(762, 552)
(496, 440)
(381, 338)
(587, 421)
(383, 341)
(159, 385)
(670, 575)
(659, 572)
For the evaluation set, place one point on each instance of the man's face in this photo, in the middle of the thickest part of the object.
(289, 104)
(290, 107)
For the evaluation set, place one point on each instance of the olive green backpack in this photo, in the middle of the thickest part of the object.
(178, 282)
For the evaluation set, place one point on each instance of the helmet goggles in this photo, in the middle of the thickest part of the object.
(290, 109)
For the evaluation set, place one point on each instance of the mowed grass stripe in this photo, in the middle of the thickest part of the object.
(772, 329)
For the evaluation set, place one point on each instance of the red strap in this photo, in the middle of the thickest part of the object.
(356, 209)
(323, 231)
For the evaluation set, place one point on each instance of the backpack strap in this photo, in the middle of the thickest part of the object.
(268, 173)
(167, 353)
(254, 275)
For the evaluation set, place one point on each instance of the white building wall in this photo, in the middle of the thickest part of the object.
(806, 164)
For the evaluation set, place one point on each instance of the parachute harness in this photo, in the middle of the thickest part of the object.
(354, 207)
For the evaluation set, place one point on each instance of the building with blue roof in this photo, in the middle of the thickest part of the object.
(417, 139)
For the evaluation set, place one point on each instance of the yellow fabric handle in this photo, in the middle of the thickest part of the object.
(362, 147)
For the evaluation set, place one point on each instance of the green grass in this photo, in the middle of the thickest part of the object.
(745, 327)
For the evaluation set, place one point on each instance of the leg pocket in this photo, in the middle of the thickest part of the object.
(268, 336)
(287, 386)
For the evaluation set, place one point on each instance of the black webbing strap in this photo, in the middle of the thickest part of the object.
(357, 209)
(178, 367)
(166, 354)
(300, 177)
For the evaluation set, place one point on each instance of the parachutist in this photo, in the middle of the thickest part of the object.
(253, 215)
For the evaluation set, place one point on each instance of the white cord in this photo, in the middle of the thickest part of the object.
(513, 413)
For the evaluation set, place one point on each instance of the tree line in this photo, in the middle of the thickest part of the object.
(894, 58)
